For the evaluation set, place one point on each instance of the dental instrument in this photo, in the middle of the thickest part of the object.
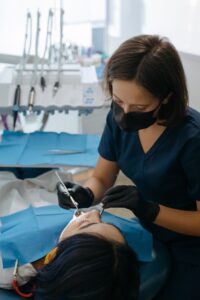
(16, 104)
(48, 45)
(98, 207)
(25, 55)
(66, 191)
(57, 83)
(31, 99)
(32, 93)
(64, 151)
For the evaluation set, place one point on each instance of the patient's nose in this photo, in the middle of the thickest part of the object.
(126, 108)
(94, 215)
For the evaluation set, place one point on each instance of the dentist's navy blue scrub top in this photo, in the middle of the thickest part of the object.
(169, 173)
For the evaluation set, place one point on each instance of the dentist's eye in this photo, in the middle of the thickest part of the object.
(140, 107)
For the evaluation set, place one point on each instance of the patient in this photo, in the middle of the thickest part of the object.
(92, 261)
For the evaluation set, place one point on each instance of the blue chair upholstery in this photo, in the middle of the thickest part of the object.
(9, 295)
(154, 274)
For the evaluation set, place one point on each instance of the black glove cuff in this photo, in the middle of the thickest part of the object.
(151, 213)
(155, 213)
(90, 193)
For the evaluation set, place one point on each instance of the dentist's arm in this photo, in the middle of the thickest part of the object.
(185, 222)
(181, 221)
(103, 177)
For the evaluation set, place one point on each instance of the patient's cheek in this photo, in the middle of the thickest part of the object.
(65, 228)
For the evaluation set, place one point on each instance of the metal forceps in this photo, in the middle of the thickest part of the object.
(66, 191)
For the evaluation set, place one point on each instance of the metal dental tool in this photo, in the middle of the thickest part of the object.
(48, 45)
(32, 92)
(16, 104)
(31, 99)
(57, 83)
(66, 191)
(24, 59)
(98, 207)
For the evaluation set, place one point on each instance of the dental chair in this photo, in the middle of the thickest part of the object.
(9, 295)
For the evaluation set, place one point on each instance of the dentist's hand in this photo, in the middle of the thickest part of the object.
(83, 196)
(127, 196)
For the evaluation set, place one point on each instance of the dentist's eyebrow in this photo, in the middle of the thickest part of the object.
(143, 105)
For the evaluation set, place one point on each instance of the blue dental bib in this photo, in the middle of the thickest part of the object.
(30, 234)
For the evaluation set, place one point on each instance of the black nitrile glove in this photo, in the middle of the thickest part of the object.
(83, 196)
(127, 196)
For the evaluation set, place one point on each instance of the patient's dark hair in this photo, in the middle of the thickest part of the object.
(88, 267)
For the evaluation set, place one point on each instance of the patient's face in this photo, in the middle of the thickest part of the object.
(90, 222)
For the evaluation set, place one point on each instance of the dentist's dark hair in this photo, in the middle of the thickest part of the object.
(154, 63)
(88, 267)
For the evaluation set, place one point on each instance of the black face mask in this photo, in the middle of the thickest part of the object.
(132, 121)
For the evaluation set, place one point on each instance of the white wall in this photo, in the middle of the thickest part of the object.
(78, 18)
(124, 20)
(191, 64)
(179, 20)
(13, 20)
